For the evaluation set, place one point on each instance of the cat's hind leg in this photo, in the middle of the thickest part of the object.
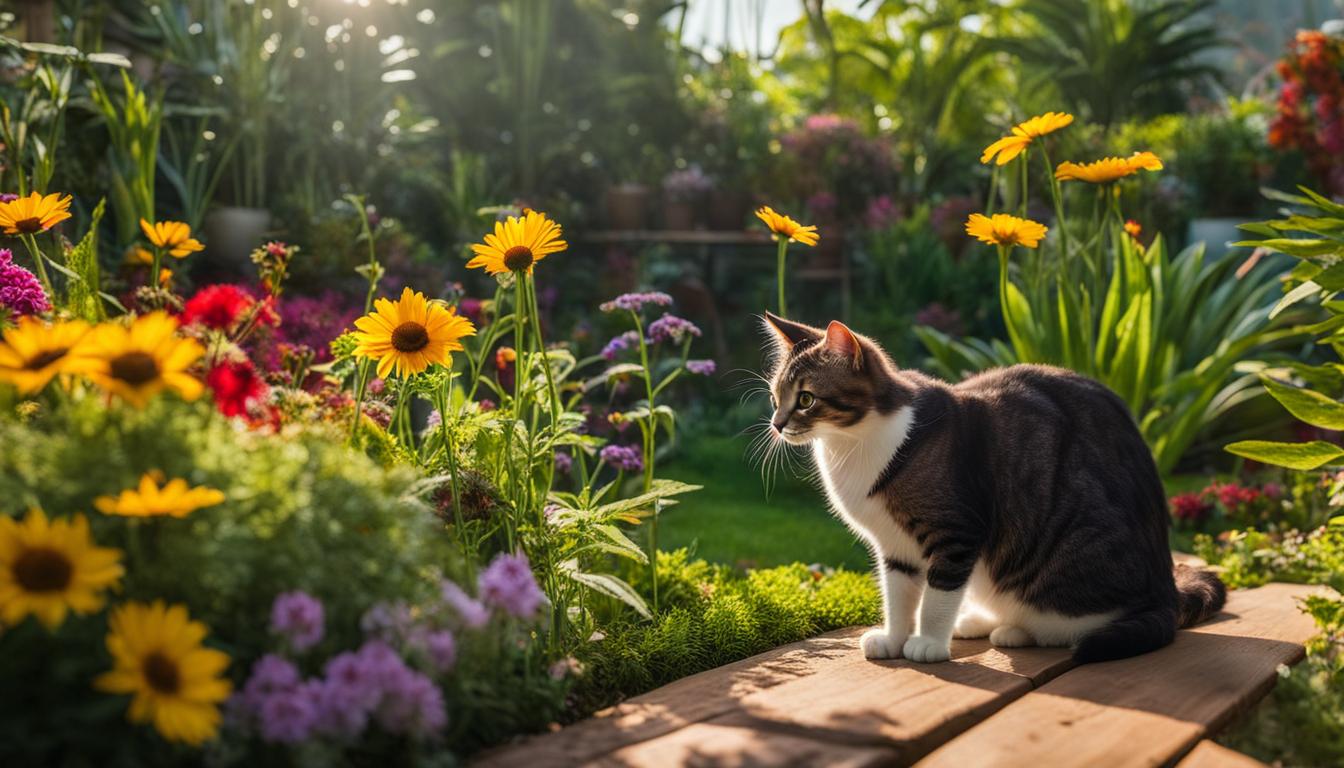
(974, 624)
(1008, 636)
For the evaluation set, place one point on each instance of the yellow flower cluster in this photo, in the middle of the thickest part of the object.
(134, 361)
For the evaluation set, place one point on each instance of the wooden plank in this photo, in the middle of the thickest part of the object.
(973, 683)
(1150, 709)
(1208, 754)
(726, 746)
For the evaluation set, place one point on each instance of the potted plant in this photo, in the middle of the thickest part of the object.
(684, 196)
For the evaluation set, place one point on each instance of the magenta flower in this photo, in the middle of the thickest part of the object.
(619, 344)
(673, 328)
(633, 302)
(507, 583)
(297, 616)
(20, 292)
(626, 458)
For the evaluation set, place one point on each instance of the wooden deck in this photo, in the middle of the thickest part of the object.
(819, 702)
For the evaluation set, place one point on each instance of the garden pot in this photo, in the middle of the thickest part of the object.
(1215, 233)
(627, 206)
(680, 215)
(231, 234)
(728, 210)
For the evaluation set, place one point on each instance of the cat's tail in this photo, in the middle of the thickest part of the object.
(1201, 594)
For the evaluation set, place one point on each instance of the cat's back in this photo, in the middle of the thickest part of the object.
(1037, 392)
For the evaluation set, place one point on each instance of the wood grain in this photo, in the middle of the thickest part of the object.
(1208, 754)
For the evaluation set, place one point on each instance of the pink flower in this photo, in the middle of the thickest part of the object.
(508, 583)
(298, 617)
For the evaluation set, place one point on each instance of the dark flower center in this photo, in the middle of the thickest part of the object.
(161, 673)
(42, 570)
(29, 225)
(44, 358)
(518, 257)
(135, 368)
(410, 337)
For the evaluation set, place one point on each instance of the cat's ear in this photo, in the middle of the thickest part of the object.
(789, 333)
(842, 341)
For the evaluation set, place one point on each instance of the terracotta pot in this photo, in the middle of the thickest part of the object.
(728, 210)
(627, 206)
(231, 234)
(680, 215)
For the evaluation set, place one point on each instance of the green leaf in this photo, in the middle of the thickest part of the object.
(1331, 278)
(1300, 247)
(622, 544)
(1300, 456)
(661, 490)
(1309, 406)
(1301, 292)
(611, 586)
(83, 290)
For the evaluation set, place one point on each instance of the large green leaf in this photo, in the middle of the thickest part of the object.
(1309, 406)
(1301, 248)
(611, 586)
(1301, 456)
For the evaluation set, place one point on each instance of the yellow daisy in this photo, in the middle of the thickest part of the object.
(175, 499)
(517, 244)
(1023, 133)
(158, 657)
(172, 236)
(138, 362)
(786, 228)
(1108, 169)
(34, 213)
(410, 334)
(1002, 229)
(50, 568)
(32, 352)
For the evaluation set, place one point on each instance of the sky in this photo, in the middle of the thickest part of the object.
(705, 21)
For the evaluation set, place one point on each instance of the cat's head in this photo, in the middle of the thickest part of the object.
(826, 382)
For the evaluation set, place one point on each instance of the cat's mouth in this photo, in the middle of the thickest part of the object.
(795, 436)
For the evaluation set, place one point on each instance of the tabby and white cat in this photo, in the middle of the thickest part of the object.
(1020, 504)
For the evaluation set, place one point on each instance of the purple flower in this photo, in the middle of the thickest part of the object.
(626, 458)
(386, 620)
(563, 463)
(634, 302)
(439, 645)
(619, 344)
(470, 612)
(271, 674)
(671, 327)
(289, 717)
(433, 421)
(356, 677)
(20, 291)
(508, 583)
(342, 710)
(701, 367)
(8, 197)
(297, 616)
(313, 320)
(412, 704)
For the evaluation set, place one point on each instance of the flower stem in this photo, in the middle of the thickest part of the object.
(651, 437)
(783, 248)
(36, 253)
(1058, 196)
(360, 388)
(448, 446)
(541, 349)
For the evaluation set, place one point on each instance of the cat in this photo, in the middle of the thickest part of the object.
(1021, 504)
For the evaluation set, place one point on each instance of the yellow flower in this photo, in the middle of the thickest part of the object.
(175, 499)
(32, 352)
(172, 236)
(50, 568)
(1013, 145)
(138, 362)
(785, 227)
(1002, 229)
(138, 255)
(1108, 169)
(517, 244)
(410, 334)
(34, 213)
(177, 683)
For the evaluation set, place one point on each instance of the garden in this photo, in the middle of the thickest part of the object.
(384, 382)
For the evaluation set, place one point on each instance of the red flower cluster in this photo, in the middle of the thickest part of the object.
(216, 306)
(1310, 111)
(1231, 495)
(1190, 507)
(237, 386)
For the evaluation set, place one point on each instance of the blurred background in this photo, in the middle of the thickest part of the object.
(651, 129)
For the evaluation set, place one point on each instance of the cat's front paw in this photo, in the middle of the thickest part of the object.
(926, 649)
(881, 644)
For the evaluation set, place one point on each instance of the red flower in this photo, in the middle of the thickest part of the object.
(236, 385)
(216, 306)
(1190, 507)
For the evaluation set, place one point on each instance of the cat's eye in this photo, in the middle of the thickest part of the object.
(806, 400)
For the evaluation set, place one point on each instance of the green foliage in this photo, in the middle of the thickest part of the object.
(715, 615)
(133, 127)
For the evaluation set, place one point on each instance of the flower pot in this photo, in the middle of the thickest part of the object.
(680, 215)
(728, 210)
(1215, 233)
(627, 206)
(231, 234)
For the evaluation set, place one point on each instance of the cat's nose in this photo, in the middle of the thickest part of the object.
(780, 421)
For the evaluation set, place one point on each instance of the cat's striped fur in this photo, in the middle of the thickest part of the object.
(1020, 504)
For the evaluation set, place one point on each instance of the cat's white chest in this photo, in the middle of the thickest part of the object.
(850, 465)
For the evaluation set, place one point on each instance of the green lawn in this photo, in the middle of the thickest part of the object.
(734, 521)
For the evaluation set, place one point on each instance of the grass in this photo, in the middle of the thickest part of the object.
(734, 521)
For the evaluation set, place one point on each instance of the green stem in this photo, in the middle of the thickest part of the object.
(361, 387)
(1026, 155)
(535, 313)
(31, 244)
(650, 442)
(783, 248)
(1058, 196)
(446, 435)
